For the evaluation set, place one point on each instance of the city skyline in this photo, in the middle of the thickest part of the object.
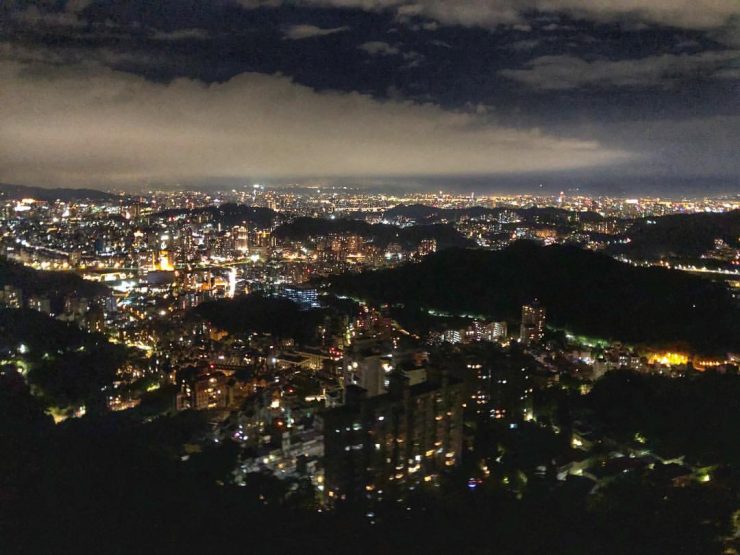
(337, 367)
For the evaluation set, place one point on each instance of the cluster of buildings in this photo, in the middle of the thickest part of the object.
(372, 419)
(94, 313)
(360, 408)
(531, 330)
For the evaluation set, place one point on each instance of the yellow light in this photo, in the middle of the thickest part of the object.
(668, 359)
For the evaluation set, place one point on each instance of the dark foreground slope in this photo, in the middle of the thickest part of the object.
(585, 292)
(114, 484)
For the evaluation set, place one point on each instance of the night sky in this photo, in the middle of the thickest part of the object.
(608, 95)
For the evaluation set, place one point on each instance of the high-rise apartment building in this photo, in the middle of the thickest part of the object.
(532, 329)
(241, 239)
(383, 445)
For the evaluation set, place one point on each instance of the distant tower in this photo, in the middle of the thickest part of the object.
(533, 324)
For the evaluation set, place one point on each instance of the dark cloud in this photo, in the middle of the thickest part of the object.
(33, 15)
(667, 70)
(304, 31)
(524, 45)
(182, 34)
(690, 14)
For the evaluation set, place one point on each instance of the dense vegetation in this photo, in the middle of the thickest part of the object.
(301, 229)
(697, 417)
(585, 292)
(256, 313)
(115, 484)
(65, 366)
(681, 235)
(54, 285)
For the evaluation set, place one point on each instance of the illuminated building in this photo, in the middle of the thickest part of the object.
(41, 304)
(206, 391)
(264, 238)
(241, 239)
(388, 443)
(232, 283)
(367, 367)
(546, 233)
(510, 390)
(163, 262)
(427, 246)
(95, 320)
(452, 336)
(162, 270)
(532, 327)
(12, 297)
(306, 297)
(481, 395)
(668, 359)
(495, 331)
(473, 333)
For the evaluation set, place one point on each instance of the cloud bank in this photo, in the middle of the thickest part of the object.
(687, 14)
(86, 124)
(568, 72)
(303, 31)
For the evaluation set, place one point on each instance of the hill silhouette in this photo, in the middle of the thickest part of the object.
(301, 229)
(585, 292)
(40, 193)
(256, 313)
(52, 284)
(422, 213)
(66, 365)
(681, 235)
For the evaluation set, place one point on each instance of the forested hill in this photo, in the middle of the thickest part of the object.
(585, 292)
(683, 235)
(422, 213)
(256, 313)
(54, 285)
(50, 195)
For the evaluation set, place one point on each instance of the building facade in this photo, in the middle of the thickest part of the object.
(385, 444)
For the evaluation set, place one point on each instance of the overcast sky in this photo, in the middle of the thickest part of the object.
(632, 94)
